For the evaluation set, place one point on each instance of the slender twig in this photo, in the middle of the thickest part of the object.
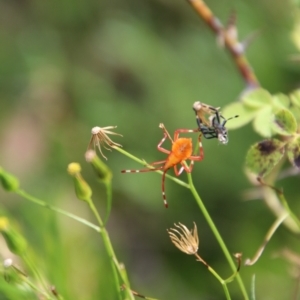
(137, 294)
(236, 48)
(275, 225)
(282, 200)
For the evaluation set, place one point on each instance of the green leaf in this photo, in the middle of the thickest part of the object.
(263, 122)
(284, 122)
(295, 97)
(262, 157)
(281, 101)
(237, 108)
(257, 98)
(293, 152)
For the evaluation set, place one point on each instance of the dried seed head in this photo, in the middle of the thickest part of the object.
(100, 137)
(185, 240)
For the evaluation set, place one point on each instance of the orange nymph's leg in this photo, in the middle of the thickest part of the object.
(177, 173)
(166, 135)
(163, 189)
(178, 131)
(201, 152)
(147, 169)
(193, 158)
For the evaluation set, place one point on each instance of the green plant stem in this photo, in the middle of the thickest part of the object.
(101, 229)
(108, 246)
(217, 234)
(144, 163)
(219, 278)
(58, 210)
(270, 233)
(275, 199)
(36, 273)
(191, 186)
(287, 208)
(273, 202)
(35, 288)
(253, 297)
(108, 186)
(223, 283)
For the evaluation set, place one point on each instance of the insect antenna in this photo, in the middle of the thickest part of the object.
(226, 120)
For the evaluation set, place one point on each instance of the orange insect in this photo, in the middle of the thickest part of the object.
(182, 149)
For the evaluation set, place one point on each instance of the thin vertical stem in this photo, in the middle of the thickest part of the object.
(218, 277)
(217, 234)
(111, 253)
(36, 274)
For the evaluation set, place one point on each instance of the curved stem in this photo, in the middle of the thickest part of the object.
(217, 234)
(275, 199)
(219, 278)
(271, 231)
(287, 208)
(56, 209)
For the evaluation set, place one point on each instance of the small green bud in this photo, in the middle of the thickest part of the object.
(82, 189)
(15, 242)
(9, 182)
(74, 168)
(101, 169)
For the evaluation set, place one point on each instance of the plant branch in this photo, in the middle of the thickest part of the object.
(217, 234)
(56, 209)
(236, 48)
(271, 231)
(218, 277)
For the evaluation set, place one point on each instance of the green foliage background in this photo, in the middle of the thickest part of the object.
(66, 66)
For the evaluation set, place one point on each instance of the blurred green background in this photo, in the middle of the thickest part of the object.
(66, 66)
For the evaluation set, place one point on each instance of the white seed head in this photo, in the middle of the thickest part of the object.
(96, 130)
(7, 263)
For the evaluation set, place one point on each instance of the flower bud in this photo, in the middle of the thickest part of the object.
(82, 189)
(101, 169)
(9, 182)
(15, 242)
